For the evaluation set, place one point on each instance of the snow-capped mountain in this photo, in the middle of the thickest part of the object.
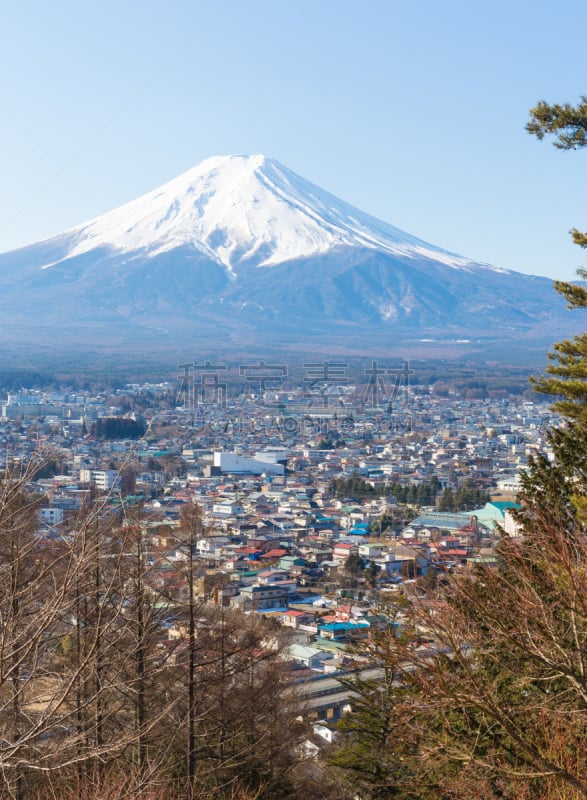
(242, 246)
(246, 209)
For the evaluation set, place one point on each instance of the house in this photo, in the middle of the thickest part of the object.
(227, 508)
(212, 546)
(370, 551)
(342, 631)
(237, 563)
(324, 732)
(342, 551)
(307, 657)
(259, 598)
(294, 619)
(289, 562)
(274, 554)
(276, 577)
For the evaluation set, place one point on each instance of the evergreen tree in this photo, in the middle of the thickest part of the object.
(354, 565)
(502, 694)
(566, 374)
(506, 693)
(377, 745)
(447, 500)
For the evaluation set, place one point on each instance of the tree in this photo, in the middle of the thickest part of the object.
(118, 428)
(62, 710)
(244, 731)
(354, 565)
(447, 500)
(566, 377)
(377, 746)
(191, 530)
(464, 498)
(500, 676)
(143, 682)
(506, 686)
(371, 573)
(568, 123)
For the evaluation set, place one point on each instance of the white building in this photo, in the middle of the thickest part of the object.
(51, 516)
(227, 508)
(103, 479)
(511, 483)
(233, 463)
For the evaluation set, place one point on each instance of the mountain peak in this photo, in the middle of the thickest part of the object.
(242, 161)
(246, 210)
(241, 245)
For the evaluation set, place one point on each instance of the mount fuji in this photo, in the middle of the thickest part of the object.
(241, 249)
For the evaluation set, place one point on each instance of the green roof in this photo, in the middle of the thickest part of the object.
(504, 504)
(493, 512)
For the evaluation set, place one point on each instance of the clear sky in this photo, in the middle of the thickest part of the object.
(412, 111)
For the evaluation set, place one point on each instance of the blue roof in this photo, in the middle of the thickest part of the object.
(342, 626)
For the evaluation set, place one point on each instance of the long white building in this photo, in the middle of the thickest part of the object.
(235, 464)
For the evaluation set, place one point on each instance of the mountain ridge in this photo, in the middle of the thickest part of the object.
(205, 203)
(241, 246)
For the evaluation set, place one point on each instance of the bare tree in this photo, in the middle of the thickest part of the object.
(502, 683)
(66, 644)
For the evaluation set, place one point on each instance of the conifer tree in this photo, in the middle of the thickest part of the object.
(566, 375)
(377, 747)
(501, 687)
(506, 694)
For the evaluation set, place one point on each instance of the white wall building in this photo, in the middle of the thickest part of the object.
(103, 479)
(51, 516)
(233, 463)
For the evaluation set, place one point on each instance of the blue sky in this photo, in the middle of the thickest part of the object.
(414, 112)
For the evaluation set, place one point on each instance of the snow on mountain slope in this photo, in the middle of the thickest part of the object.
(241, 249)
(246, 210)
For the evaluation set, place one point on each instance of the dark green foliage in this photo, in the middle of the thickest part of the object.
(464, 498)
(118, 428)
(423, 493)
(566, 376)
(354, 565)
(505, 693)
(371, 572)
(352, 487)
(498, 692)
(395, 517)
(372, 739)
(48, 470)
(566, 381)
(331, 444)
(566, 122)
(14, 379)
(377, 745)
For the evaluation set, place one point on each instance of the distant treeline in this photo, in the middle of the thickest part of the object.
(118, 428)
(355, 487)
(424, 493)
(430, 493)
(465, 498)
(421, 494)
(91, 374)
(11, 380)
